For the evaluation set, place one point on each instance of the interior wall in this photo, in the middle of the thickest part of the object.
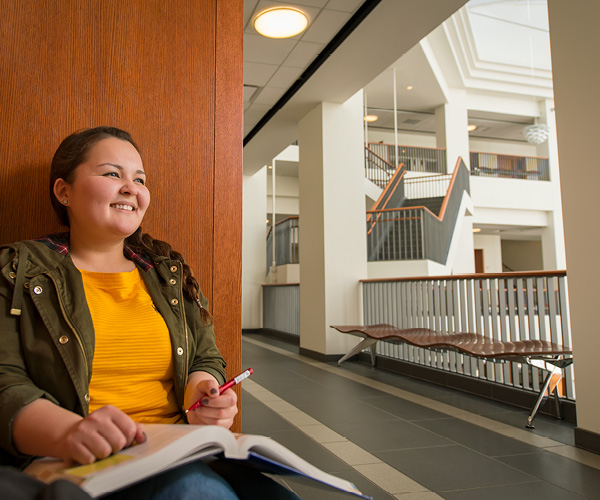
(520, 255)
(170, 73)
(492, 251)
(574, 39)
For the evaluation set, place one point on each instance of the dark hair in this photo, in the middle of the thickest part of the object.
(75, 150)
(72, 152)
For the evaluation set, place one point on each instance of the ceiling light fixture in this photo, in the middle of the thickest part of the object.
(476, 229)
(470, 128)
(281, 22)
(371, 118)
(409, 87)
(536, 134)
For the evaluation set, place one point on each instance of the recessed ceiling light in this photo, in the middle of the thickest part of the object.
(281, 22)
(371, 118)
(470, 128)
(409, 87)
(476, 229)
(270, 167)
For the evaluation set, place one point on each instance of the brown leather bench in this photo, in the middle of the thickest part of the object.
(541, 354)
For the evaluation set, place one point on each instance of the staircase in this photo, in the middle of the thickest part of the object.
(414, 218)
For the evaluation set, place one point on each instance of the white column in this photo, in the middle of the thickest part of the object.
(254, 250)
(451, 121)
(574, 38)
(333, 255)
(553, 238)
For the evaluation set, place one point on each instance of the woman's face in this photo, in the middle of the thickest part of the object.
(108, 196)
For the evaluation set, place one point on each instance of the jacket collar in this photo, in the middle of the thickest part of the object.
(59, 242)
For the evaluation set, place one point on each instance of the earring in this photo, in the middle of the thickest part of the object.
(65, 202)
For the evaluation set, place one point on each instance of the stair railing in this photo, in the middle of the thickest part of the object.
(424, 234)
(377, 170)
(287, 243)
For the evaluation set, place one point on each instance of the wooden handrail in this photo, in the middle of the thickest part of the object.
(406, 146)
(280, 284)
(514, 274)
(382, 159)
(512, 156)
(399, 171)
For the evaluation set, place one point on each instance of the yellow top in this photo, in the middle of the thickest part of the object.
(132, 366)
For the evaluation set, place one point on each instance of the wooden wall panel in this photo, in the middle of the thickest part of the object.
(161, 69)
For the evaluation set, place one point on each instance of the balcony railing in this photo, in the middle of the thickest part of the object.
(415, 233)
(430, 186)
(415, 159)
(509, 166)
(377, 170)
(287, 242)
(506, 306)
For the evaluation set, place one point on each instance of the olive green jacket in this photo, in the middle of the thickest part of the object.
(47, 335)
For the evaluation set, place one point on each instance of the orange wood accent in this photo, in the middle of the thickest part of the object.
(280, 284)
(404, 146)
(479, 261)
(227, 230)
(512, 156)
(167, 71)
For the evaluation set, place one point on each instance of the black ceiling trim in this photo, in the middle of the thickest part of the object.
(362, 12)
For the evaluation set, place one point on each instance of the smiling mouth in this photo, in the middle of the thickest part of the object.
(119, 206)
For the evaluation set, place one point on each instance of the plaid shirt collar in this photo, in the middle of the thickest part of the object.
(59, 242)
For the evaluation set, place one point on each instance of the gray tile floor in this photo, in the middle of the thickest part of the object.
(400, 438)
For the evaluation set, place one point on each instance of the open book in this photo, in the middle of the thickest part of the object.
(171, 445)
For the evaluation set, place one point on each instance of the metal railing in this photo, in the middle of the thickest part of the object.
(416, 159)
(416, 233)
(287, 242)
(509, 166)
(429, 186)
(281, 307)
(377, 170)
(504, 306)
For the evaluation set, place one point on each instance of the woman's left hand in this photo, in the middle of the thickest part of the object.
(216, 409)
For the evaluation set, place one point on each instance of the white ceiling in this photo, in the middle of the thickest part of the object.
(272, 66)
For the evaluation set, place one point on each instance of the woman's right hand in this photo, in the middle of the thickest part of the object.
(100, 434)
(42, 428)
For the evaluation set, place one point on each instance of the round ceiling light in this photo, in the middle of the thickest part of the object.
(371, 118)
(281, 22)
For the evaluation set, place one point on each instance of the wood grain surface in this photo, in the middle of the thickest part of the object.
(167, 71)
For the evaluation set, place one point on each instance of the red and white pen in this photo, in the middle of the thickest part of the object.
(225, 386)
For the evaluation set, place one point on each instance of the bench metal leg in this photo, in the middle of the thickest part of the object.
(553, 372)
(363, 345)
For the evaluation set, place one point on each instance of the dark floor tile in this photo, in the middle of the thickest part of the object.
(477, 438)
(260, 419)
(334, 413)
(538, 490)
(311, 451)
(391, 435)
(560, 471)
(310, 490)
(545, 425)
(404, 409)
(481, 406)
(452, 467)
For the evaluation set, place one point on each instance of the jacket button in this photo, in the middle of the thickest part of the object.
(63, 339)
(180, 350)
(173, 269)
(12, 275)
(172, 281)
(26, 284)
(87, 398)
(37, 290)
(174, 302)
